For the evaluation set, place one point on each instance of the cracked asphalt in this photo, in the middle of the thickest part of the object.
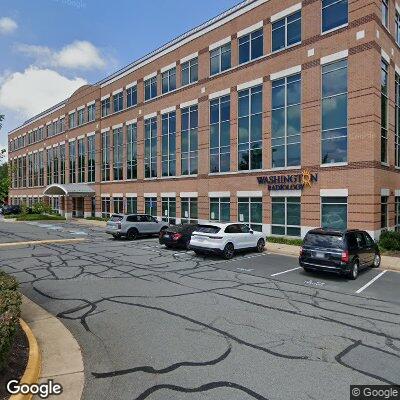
(163, 324)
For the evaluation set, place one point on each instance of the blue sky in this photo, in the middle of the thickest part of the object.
(50, 47)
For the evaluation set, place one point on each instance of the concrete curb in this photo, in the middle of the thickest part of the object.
(387, 262)
(60, 352)
(33, 367)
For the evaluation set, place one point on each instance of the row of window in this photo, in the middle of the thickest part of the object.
(285, 141)
(286, 32)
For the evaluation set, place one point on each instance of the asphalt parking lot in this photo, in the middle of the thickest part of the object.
(164, 324)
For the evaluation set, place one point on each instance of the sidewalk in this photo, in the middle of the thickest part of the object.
(61, 354)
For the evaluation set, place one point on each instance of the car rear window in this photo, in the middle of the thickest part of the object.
(116, 218)
(326, 241)
(208, 229)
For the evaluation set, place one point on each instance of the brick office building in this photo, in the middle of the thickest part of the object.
(277, 113)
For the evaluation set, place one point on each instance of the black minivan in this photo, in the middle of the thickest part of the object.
(342, 252)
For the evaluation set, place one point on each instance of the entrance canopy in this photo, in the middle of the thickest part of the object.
(71, 189)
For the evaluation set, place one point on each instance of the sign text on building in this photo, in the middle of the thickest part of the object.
(289, 181)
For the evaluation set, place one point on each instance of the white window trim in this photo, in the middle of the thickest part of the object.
(107, 96)
(285, 193)
(151, 115)
(286, 12)
(189, 57)
(105, 195)
(117, 195)
(130, 122)
(168, 110)
(249, 84)
(189, 103)
(334, 57)
(168, 67)
(249, 193)
(385, 56)
(152, 75)
(69, 113)
(220, 43)
(334, 192)
(91, 103)
(90, 134)
(149, 194)
(132, 84)
(219, 94)
(131, 195)
(117, 126)
(168, 194)
(250, 29)
(117, 91)
(219, 194)
(385, 192)
(105, 130)
(188, 194)
(286, 72)
(80, 108)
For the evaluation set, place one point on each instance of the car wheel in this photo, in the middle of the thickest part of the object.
(132, 234)
(260, 245)
(198, 253)
(187, 243)
(229, 251)
(116, 236)
(377, 261)
(354, 270)
(307, 269)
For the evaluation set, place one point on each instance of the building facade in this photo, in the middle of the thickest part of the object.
(281, 114)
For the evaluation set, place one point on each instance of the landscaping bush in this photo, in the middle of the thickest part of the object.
(283, 240)
(390, 240)
(10, 311)
(41, 208)
(40, 217)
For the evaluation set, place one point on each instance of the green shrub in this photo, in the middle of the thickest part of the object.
(10, 312)
(40, 217)
(7, 282)
(390, 240)
(41, 208)
(283, 240)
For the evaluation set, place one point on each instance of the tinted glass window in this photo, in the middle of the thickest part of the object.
(116, 218)
(326, 241)
(207, 229)
(233, 229)
(360, 240)
(132, 218)
(368, 239)
(244, 228)
(352, 241)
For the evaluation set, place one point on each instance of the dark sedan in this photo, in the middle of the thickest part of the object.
(11, 209)
(342, 252)
(177, 235)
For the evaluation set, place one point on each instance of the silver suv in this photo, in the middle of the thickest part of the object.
(133, 225)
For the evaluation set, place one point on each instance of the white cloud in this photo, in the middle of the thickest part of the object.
(80, 54)
(7, 25)
(35, 90)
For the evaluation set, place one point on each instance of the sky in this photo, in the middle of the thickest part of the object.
(49, 48)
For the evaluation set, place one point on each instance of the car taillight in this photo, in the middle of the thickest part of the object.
(345, 256)
(176, 236)
(301, 251)
(118, 226)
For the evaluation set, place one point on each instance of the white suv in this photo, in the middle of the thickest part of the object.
(225, 239)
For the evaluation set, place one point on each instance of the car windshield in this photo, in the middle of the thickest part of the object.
(116, 218)
(323, 240)
(208, 229)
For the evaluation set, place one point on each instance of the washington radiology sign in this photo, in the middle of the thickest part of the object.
(288, 182)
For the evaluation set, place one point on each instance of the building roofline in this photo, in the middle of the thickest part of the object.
(173, 44)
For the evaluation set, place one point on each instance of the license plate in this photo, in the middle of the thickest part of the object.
(318, 254)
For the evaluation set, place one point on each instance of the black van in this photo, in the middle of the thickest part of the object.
(342, 252)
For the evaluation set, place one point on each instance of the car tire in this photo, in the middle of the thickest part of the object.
(229, 251)
(168, 246)
(198, 253)
(355, 268)
(307, 269)
(187, 243)
(260, 245)
(377, 261)
(116, 236)
(132, 234)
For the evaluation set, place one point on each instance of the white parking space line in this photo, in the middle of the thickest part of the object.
(370, 282)
(284, 272)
